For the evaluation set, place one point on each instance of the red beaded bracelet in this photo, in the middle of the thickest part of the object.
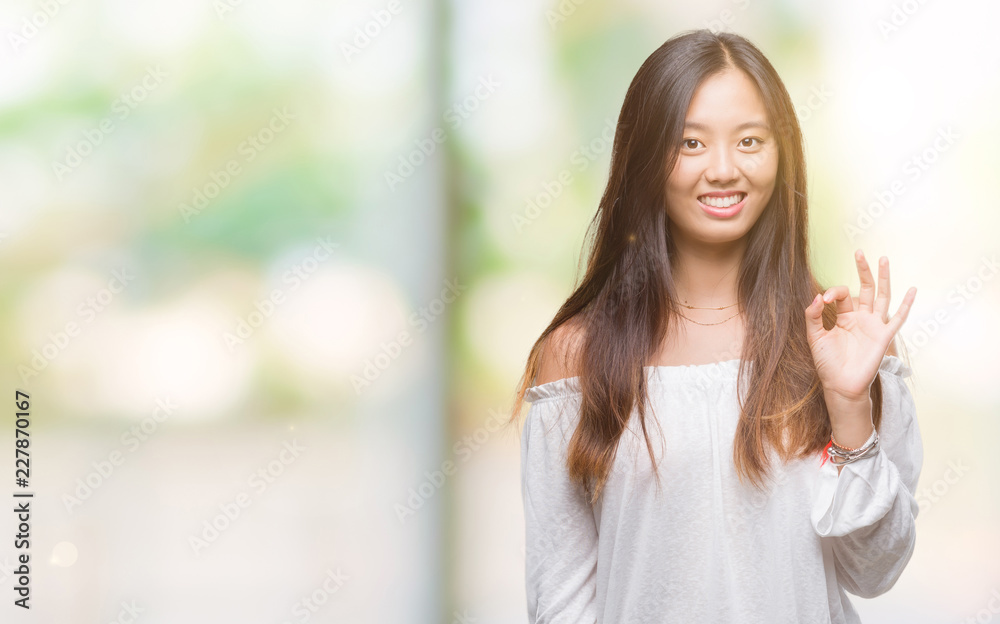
(841, 446)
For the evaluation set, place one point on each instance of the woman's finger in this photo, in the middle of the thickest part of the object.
(866, 297)
(842, 295)
(814, 320)
(904, 310)
(884, 294)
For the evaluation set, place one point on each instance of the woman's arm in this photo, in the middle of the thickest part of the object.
(560, 531)
(868, 511)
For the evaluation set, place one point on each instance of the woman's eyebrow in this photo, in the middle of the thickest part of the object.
(743, 126)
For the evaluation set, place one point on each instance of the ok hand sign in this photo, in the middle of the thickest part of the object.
(848, 355)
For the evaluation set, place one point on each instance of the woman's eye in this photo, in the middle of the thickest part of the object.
(743, 143)
(691, 143)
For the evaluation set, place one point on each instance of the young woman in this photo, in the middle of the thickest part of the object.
(713, 436)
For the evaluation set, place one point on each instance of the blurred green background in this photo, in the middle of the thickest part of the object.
(270, 272)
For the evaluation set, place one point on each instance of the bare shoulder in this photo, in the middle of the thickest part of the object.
(560, 353)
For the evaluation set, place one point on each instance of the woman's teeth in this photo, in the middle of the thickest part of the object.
(722, 202)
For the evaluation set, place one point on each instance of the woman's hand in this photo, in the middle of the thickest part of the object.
(848, 355)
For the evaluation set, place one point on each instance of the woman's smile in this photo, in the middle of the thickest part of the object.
(723, 206)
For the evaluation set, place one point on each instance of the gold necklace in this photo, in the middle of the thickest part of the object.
(718, 323)
(710, 308)
(697, 308)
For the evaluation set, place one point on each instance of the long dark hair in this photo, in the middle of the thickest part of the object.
(626, 299)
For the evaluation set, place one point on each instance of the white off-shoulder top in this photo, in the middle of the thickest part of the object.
(708, 548)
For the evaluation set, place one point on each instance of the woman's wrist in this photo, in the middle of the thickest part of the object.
(850, 420)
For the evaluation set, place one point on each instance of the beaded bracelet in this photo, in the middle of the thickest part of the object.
(866, 442)
(841, 455)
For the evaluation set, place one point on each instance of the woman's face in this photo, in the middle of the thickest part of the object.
(727, 164)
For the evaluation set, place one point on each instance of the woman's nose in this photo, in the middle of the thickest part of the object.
(721, 167)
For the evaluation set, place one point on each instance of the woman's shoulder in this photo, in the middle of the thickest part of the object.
(561, 354)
